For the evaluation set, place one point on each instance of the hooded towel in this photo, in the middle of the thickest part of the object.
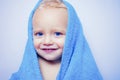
(77, 61)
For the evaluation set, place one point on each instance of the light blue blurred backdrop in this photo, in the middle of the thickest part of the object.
(101, 25)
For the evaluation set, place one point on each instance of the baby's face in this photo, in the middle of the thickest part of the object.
(49, 31)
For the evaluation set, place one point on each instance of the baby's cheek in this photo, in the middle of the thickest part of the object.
(36, 43)
(61, 42)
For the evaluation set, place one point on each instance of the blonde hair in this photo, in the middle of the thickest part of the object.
(52, 4)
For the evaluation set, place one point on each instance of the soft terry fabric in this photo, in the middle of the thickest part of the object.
(77, 61)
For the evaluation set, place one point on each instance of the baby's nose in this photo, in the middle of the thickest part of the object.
(48, 41)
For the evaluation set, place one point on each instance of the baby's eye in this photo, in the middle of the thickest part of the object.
(39, 34)
(58, 33)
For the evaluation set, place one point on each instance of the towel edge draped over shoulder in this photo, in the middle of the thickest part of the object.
(77, 61)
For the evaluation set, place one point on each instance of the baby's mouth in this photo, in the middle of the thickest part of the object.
(49, 50)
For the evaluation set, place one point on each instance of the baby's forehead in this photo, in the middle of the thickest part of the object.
(50, 10)
(50, 13)
(57, 11)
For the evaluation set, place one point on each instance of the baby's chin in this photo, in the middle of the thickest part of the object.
(50, 60)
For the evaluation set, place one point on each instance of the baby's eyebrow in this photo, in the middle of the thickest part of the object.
(35, 31)
(59, 30)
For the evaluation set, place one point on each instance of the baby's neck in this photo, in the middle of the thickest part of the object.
(49, 69)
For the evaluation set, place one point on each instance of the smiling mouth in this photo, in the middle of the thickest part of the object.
(49, 50)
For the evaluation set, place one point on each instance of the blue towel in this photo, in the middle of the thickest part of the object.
(77, 61)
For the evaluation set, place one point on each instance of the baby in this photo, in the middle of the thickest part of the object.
(49, 31)
(56, 48)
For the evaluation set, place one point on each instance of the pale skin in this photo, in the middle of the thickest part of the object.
(49, 31)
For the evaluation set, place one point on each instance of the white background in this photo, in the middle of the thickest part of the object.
(101, 25)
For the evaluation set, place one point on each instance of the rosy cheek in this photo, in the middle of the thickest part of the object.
(60, 42)
(36, 44)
